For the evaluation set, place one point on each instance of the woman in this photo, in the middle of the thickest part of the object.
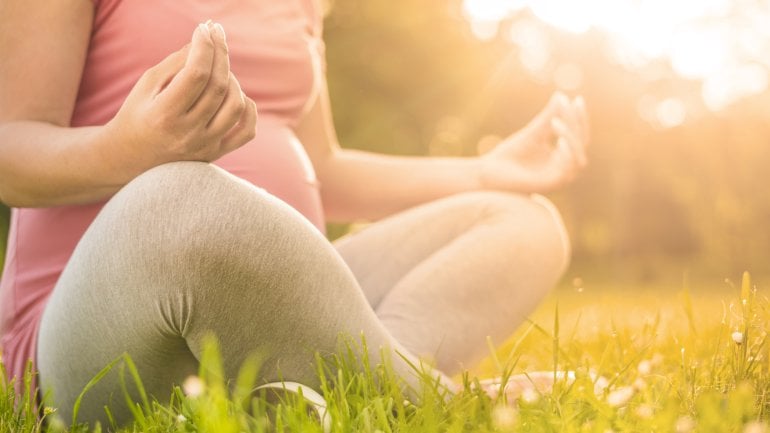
(125, 239)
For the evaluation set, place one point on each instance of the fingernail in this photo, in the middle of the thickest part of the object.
(221, 30)
(204, 29)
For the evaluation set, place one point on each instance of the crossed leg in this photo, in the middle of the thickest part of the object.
(443, 276)
(183, 250)
(186, 249)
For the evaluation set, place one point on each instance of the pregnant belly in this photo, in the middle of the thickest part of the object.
(276, 161)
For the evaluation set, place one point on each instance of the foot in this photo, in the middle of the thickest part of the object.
(316, 403)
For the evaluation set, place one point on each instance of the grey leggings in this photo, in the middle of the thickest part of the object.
(186, 249)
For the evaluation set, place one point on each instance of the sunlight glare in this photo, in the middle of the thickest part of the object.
(724, 44)
(485, 30)
(671, 112)
(700, 53)
(534, 45)
(491, 10)
(567, 15)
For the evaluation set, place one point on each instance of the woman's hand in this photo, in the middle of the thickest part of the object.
(187, 107)
(545, 155)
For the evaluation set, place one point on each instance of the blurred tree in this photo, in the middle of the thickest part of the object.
(410, 78)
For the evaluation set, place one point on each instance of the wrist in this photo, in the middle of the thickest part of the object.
(496, 174)
(485, 177)
(120, 153)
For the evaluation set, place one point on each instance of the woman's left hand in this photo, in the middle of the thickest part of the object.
(543, 156)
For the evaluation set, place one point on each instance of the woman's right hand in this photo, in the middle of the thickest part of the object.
(187, 107)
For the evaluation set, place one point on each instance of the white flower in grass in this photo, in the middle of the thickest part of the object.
(639, 384)
(193, 386)
(738, 337)
(530, 395)
(620, 396)
(645, 411)
(755, 427)
(684, 424)
(504, 417)
(181, 418)
(600, 385)
(644, 367)
(492, 391)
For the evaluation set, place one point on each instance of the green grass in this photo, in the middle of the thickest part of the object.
(673, 361)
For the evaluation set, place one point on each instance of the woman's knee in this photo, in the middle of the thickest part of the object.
(530, 219)
(563, 247)
(196, 201)
(176, 183)
(196, 226)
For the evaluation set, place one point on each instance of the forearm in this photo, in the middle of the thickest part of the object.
(360, 185)
(43, 165)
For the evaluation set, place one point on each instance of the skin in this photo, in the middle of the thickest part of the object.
(190, 107)
(361, 185)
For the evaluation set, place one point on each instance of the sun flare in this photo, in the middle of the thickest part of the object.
(724, 44)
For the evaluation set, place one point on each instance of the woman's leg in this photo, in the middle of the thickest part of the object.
(183, 250)
(445, 275)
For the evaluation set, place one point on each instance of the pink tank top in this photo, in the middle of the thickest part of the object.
(276, 53)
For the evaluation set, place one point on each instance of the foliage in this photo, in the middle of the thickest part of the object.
(691, 372)
(412, 79)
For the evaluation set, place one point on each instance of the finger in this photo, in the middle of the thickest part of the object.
(244, 131)
(580, 107)
(230, 111)
(543, 118)
(186, 87)
(219, 83)
(158, 77)
(539, 128)
(566, 160)
(560, 169)
(570, 137)
(568, 114)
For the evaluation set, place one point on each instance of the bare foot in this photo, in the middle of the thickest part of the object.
(529, 386)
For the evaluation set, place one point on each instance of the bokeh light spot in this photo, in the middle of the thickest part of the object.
(671, 112)
(723, 44)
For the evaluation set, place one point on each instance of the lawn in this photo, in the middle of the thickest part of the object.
(645, 359)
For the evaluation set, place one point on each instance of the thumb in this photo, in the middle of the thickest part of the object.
(542, 121)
